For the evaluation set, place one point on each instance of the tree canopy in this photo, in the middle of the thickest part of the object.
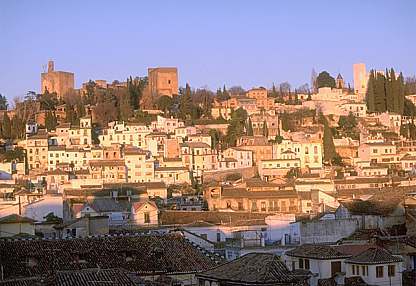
(324, 79)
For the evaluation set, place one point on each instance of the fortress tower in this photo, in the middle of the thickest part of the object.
(57, 81)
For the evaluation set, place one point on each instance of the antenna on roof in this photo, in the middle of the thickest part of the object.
(44, 68)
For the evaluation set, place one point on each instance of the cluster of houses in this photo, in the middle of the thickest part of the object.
(269, 209)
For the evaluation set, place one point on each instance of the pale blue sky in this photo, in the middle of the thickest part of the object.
(247, 43)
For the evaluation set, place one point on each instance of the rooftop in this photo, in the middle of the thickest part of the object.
(315, 251)
(374, 255)
(252, 269)
(142, 254)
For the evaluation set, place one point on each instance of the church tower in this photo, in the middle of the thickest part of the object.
(339, 82)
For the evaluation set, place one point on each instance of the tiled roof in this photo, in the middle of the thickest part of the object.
(243, 193)
(167, 169)
(107, 163)
(22, 282)
(134, 151)
(138, 205)
(315, 251)
(105, 277)
(353, 249)
(108, 205)
(195, 145)
(373, 207)
(349, 281)
(252, 269)
(374, 255)
(212, 217)
(14, 218)
(142, 254)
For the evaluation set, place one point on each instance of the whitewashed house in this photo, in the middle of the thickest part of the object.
(376, 266)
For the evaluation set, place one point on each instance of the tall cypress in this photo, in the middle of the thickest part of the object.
(6, 127)
(249, 128)
(390, 96)
(265, 129)
(400, 93)
(370, 93)
(380, 93)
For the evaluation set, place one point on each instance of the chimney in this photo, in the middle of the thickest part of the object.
(51, 66)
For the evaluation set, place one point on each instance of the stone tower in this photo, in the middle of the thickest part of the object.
(360, 79)
(57, 81)
(163, 81)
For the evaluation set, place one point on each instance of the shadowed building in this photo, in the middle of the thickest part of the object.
(163, 81)
(57, 81)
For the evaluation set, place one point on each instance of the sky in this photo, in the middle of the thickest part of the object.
(215, 42)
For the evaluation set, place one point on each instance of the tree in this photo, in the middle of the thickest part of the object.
(135, 89)
(274, 92)
(249, 128)
(237, 125)
(314, 83)
(203, 98)
(50, 121)
(225, 93)
(106, 108)
(164, 103)
(18, 127)
(90, 92)
(51, 217)
(370, 94)
(328, 142)
(185, 105)
(124, 106)
(324, 79)
(215, 137)
(409, 85)
(293, 173)
(6, 127)
(3, 102)
(265, 129)
(409, 109)
(236, 90)
(48, 101)
(304, 88)
(278, 139)
(385, 92)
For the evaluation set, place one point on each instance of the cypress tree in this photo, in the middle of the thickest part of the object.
(390, 96)
(265, 129)
(185, 106)
(249, 127)
(370, 96)
(380, 93)
(6, 127)
(328, 141)
(400, 93)
(50, 121)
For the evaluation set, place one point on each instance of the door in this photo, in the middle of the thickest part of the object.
(335, 267)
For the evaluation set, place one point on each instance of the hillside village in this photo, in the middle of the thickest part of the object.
(144, 182)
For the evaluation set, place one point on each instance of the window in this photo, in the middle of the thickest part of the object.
(307, 265)
(240, 206)
(364, 270)
(301, 263)
(392, 270)
(218, 236)
(353, 269)
(263, 206)
(379, 271)
(146, 217)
